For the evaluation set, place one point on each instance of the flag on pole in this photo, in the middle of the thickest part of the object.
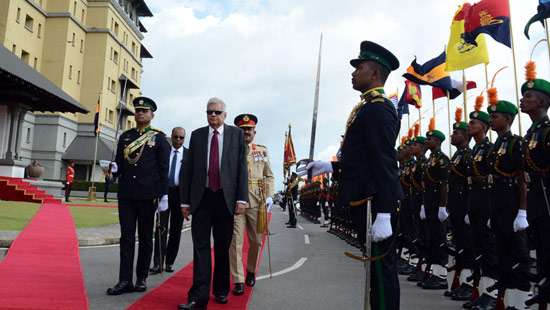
(458, 88)
(488, 16)
(411, 95)
(394, 100)
(460, 54)
(96, 118)
(543, 12)
(289, 153)
(431, 73)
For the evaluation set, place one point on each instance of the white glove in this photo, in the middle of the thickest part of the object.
(381, 229)
(520, 223)
(422, 213)
(163, 203)
(269, 203)
(319, 167)
(467, 219)
(114, 167)
(442, 214)
(489, 223)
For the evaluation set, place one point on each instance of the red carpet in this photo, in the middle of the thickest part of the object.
(174, 290)
(90, 205)
(42, 268)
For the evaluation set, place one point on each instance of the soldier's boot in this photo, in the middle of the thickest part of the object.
(465, 291)
(516, 299)
(434, 283)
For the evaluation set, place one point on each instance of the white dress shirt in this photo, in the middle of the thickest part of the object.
(220, 148)
(178, 164)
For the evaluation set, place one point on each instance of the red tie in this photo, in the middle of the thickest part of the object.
(213, 164)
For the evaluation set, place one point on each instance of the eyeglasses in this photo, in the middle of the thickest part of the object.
(178, 137)
(213, 112)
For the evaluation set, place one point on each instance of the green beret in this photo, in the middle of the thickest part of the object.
(372, 51)
(503, 106)
(436, 133)
(144, 103)
(460, 125)
(419, 139)
(540, 85)
(480, 116)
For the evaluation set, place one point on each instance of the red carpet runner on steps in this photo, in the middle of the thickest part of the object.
(42, 267)
(174, 290)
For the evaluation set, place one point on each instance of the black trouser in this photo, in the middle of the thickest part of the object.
(435, 229)
(291, 211)
(106, 190)
(213, 216)
(512, 246)
(462, 233)
(405, 231)
(130, 212)
(418, 227)
(324, 209)
(171, 221)
(68, 187)
(483, 239)
(538, 214)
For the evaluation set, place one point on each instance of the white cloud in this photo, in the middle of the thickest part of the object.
(260, 57)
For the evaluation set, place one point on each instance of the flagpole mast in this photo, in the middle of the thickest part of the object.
(464, 92)
(91, 190)
(547, 36)
(449, 121)
(515, 68)
(487, 87)
(315, 105)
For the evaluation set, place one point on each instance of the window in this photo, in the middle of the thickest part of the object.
(111, 54)
(70, 72)
(18, 17)
(35, 63)
(64, 139)
(134, 48)
(106, 114)
(129, 125)
(113, 86)
(112, 24)
(29, 23)
(115, 57)
(111, 116)
(81, 46)
(74, 9)
(131, 99)
(108, 83)
(39, 34)
(74, 38)
(133, 73)
(25, 57)
(83, 16)
(78, 77)
(28, 136)
(14, 48)
(116, 29)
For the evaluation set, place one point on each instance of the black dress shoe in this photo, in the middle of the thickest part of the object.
(155, 270)
(484, 302)
(434, 283)
(120, 288)
(238, 290)
(221, 299)
(169, 268)
(250, 279)
(192, 305)
(141, 285)
(463, 293)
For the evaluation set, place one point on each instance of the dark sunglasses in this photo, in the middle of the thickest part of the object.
(178, 137)
(213, 112)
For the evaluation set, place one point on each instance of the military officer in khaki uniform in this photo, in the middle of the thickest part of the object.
(260, 188)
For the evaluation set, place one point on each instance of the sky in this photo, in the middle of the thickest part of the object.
(260, 57)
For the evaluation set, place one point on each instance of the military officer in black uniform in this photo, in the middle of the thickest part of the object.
(536, 151)
(368, 167)
(458, 186)
(141, 165)
(508, 207)
(434, 213)
(478, 208)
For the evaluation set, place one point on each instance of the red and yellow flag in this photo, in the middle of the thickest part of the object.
(290, 154)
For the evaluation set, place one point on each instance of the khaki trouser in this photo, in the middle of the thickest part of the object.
(247, 219)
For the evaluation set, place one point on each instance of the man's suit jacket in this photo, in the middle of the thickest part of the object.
(233, 172)
(184, 160)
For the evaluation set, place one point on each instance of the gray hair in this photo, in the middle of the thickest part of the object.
(215, 100)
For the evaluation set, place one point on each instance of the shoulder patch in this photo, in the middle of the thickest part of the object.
(378, 100)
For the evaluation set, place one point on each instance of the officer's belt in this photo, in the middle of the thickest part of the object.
(478, 180)
(256, 182)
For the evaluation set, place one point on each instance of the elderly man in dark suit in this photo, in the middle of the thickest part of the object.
(214, 188)
(171, 219)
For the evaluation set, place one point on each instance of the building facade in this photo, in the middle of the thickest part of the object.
(91, 49)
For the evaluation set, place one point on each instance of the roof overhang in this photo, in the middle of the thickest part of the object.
(145, 53)
(82, 149)
(21, 84)
(129, 84)
(142, 9)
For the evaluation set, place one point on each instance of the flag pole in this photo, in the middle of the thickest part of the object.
(91, 190)
(547, 36)
(487, 87)
(464, 92)
(449, 121)
(315, 105)
(515, 68)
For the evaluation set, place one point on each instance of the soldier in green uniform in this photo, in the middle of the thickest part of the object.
(406, 224)
(508, 206)
(536, 152)
(478, 208)
(142, 160)
(458, 188)
(418, 149)
(435, 178)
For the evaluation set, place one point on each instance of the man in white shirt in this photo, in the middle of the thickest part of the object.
(171, 220)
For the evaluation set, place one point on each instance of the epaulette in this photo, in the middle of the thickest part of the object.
(157, 130)
(378, 100)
